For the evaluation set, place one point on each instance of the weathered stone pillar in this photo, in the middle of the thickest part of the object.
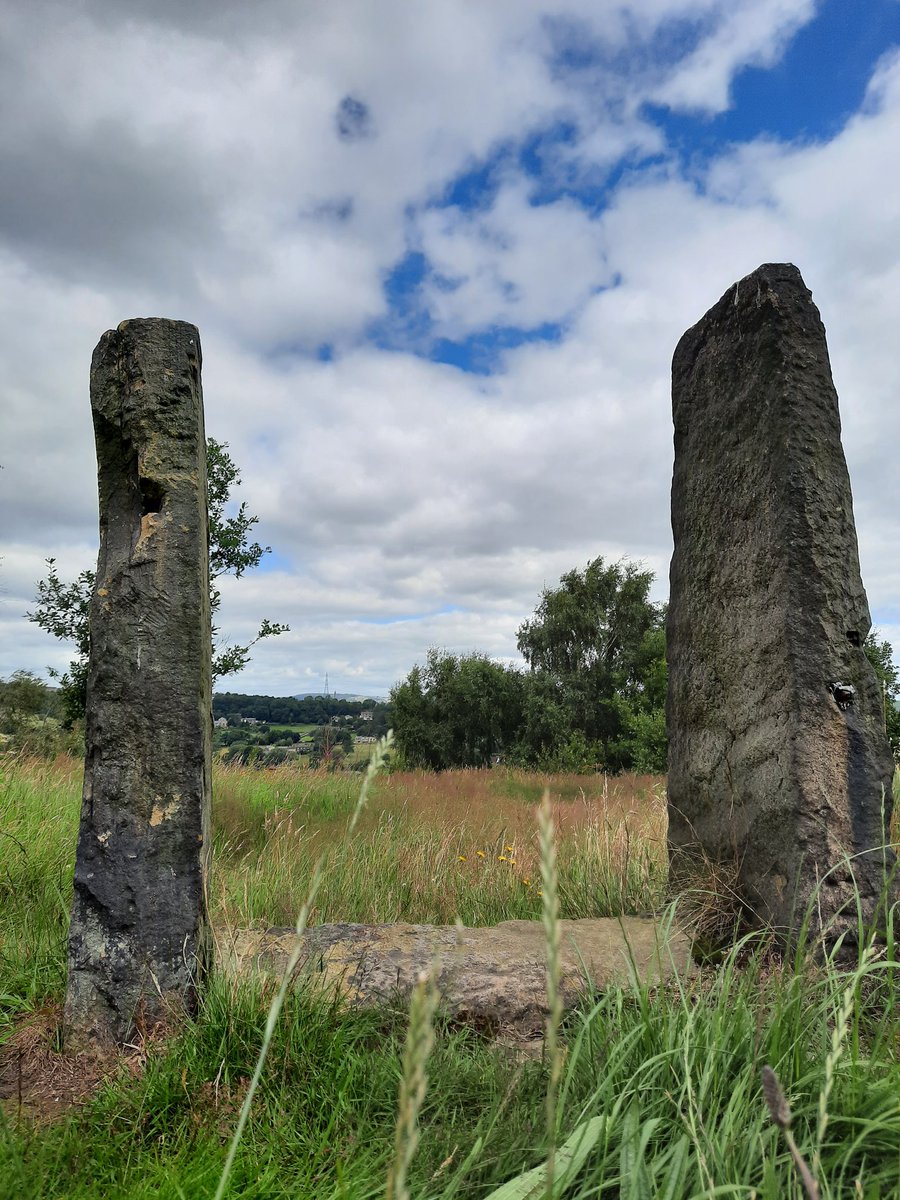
(136, 941)
(777, 758)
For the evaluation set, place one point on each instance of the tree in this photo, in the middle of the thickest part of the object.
(880, 655)
(600, 644)
(643, 745)
(331, 746)
(24, 699)
(546, 737)
(63, 609)
(594, 695)
(230, 553)
(29, 715)
(456, 711)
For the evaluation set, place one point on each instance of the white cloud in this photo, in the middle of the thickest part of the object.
(184, 160)
(749, 34)
(517, 264)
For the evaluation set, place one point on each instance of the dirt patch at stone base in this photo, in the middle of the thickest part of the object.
(39, 1082)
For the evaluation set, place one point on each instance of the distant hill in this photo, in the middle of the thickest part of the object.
(339, 696)
(311, 709)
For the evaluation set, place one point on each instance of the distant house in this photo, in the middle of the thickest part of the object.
(364, 739)
(366, 716)
(249, 721)
(222, 723)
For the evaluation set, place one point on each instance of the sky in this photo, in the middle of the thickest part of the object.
(440, 255)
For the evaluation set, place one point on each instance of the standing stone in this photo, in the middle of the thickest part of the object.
(778, 763)
(136, 941)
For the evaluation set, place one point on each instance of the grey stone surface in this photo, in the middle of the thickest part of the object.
(492, 977)
(771, 765)
(136, 941)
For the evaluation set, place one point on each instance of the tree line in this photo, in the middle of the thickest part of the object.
(290, 710)
(592, 694)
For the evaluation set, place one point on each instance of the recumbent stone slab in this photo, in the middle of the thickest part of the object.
(778, 762)
(493, 977)
(136, 941)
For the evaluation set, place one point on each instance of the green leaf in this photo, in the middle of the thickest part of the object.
(632, 1156)
(676, 1169)
(570, 1158)
(63, 609)
(628, 1149)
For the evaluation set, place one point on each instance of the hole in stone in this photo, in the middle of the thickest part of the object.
(843, 694)
(152, 496)
(853, 637)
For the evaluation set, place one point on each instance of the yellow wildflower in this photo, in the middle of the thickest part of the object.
(512, 862)
(509, 849)
(501, 858)
(527, 882)
(462, 858)
(480, 853)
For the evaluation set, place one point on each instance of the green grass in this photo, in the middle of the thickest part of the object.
(39, 807)
(674, 1073)
(292, 728)
(398, 871)
(430, 848)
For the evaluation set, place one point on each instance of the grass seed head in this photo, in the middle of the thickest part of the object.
(779, 1110)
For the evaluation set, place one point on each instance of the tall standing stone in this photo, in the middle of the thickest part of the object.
(136, 941)
(778, 762)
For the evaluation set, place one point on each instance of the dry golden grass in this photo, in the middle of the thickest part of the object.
(480, 801)
(431, 847)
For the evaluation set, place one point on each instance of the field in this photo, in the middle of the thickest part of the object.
(293, 728)
(671, 1074)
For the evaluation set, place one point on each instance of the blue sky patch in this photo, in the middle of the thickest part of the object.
(796, 99)
(273, 561)
(406, 618)
(409, 325)
(574, 50)
(476, 187)
(481, 353)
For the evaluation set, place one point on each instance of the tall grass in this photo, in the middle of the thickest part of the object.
(667, 1080)
(672, 1076)
(375, 765)
(550, 916)
(39, 806)
(431, 849)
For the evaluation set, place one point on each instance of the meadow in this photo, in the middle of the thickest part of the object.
(667, 1079)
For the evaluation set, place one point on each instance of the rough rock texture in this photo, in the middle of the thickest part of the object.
(493, 977)
(771, 765)
(137, 932)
